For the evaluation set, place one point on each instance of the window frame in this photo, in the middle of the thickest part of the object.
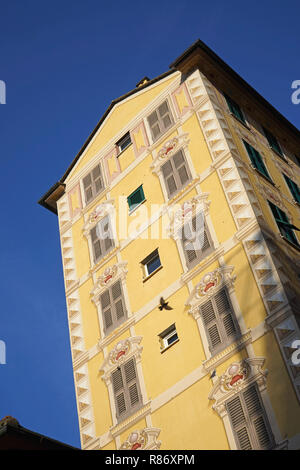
(218, 320)
(293, 239)
(118, 144)
(202, 253)
(141, 190)
(152, 256)
(165, 335)
(250, 420)
(233, 106)
(175, 173)
(163, 129)
(92, 185)
(125, 389)
(273, 140)
(257, 161)
(103, 249)
(290, 184)
(113, 308)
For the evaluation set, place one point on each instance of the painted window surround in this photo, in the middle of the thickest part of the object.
(222, 391)
(221, 278)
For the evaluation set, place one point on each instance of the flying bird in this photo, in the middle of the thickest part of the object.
(164, 304)
(213, 374)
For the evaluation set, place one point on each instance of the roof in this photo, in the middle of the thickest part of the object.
(198, 55)
(14, 437)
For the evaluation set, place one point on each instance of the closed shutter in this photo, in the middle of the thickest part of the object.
(176, 173)
(257, 417)
(283, 223)
(88, 189)
(249, 420)
(102, 239)
(96, 243)
(211, 325)
(117, 296)
(93, 183)
(273, 143)
(119, 392)
(219, 322)
(239, 424)
(256, 160)
(113, 307)
(132, 384)
(168, 174)
(293, 187)
(196, 240)
(106, 310)
(160, 120)
(126, 389)
(225, 313)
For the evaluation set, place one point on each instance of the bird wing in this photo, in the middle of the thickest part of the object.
(167, 307)
(162, 301)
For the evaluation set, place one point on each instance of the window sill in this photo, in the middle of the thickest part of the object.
(168, 347)
(131, 211)
(152, 274)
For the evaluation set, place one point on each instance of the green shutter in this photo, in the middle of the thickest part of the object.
(294, 188)
(235, 109)
(256, 160)
(273, 142)
(136, 198)
(283, 224)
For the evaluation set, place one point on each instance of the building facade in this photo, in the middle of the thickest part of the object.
(179, 235)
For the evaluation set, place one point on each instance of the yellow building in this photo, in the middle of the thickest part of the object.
(178, 224)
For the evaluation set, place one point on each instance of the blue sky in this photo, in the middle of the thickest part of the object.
(63, 63)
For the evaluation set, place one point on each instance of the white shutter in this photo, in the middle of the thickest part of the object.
(239, 424)
(119, 392)
(132, 384)
(211, 325)
(93, 184)
(249, 420)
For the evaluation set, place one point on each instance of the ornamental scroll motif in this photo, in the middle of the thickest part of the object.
(144, 439)
(122, 351)
(108, 277)
(100, 211)
(237, 377)
(168, 149)
(181, 214)
(208, 285)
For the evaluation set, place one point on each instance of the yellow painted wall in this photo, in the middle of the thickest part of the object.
(119, 117)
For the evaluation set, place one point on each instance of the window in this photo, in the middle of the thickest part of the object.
(293, 187)
(126, 389)
(219, 321)
(282, 221)
(234, 109)
(168, 337)
(93, 184)
(124, 142)
(273, 143)
(256, 160)
(160, 120)
(151, 263)
(176, 173)
(196, 240)
(249, 420)
(136, 198)
(102, 239)
(113, 307)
